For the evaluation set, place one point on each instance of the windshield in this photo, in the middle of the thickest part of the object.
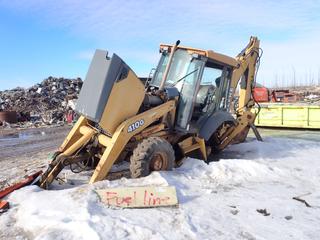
(157, 77)
(183, 74)
(179, 67)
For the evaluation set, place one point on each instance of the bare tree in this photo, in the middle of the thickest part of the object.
(311, 82)
(294, 76)
(276, 80)
(283, 79)
(306, 78)
(319, 76)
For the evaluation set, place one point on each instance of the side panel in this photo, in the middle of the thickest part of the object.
(124, 102)
(96, 86)
(209, 125)
(111, 92)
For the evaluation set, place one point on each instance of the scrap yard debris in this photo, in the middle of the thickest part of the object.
(264, 212)
(50, 102)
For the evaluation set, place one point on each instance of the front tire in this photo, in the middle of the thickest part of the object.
(152, 154)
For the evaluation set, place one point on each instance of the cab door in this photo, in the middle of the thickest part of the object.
(213, 93)
(188, 89)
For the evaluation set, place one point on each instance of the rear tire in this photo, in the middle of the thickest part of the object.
(152, 154)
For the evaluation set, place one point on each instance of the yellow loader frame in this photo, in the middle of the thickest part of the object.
(122, 123)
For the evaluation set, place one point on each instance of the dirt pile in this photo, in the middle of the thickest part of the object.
(43, 103)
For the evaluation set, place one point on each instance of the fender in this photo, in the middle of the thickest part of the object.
(212, 122)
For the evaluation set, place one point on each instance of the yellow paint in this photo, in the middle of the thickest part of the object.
(124, 102)
(295, 116)
(120, 138)
(120, 117)
(74, 134)
(191, 144)
(207, 53)
(243, 121)
(87, 133)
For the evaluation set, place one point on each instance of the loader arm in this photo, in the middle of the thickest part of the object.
(115, 144)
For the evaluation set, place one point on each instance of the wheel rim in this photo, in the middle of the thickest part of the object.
(158, 162)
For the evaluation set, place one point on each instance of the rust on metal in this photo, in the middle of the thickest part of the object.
(4, 205)
(28, 180)
(8, 116)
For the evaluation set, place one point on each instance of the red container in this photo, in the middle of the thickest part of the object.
(261, 94)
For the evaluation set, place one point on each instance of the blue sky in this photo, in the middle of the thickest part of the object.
(41, 38)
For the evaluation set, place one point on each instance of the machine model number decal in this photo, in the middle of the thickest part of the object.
(135, 126)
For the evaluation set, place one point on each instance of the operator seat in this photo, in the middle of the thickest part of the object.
(200, 105)
(202, 95)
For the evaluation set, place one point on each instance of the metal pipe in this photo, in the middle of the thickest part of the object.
(104, 140)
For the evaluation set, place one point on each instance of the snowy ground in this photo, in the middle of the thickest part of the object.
(216, 201)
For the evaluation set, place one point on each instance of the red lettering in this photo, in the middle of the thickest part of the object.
(127, 200)
(149, 202)
(149, 199)
(156, 201)
(111, 197)
(145, 197)
(118, 201)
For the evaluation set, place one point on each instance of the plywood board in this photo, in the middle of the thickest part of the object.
(139, 197)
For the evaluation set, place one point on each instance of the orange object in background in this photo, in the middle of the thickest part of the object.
(291, 98)
(284, 96)
(4, 205)
(261, 94)
(278, 95)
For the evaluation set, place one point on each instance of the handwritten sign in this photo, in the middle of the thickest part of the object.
(139, 197)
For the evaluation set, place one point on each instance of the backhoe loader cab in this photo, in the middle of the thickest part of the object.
(203, 84)
(184, 109)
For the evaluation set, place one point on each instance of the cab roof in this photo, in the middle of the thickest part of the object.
(217, 57)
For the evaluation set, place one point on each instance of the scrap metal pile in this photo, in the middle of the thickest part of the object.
(43, 103)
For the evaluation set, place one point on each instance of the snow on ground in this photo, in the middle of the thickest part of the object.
(216, 201)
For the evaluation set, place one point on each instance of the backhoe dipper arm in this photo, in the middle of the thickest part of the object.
(248, 61)
(245, 73)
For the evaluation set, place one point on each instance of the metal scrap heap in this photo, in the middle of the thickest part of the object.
(43, 103)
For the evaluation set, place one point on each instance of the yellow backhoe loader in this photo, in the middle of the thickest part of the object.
(187, 108)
